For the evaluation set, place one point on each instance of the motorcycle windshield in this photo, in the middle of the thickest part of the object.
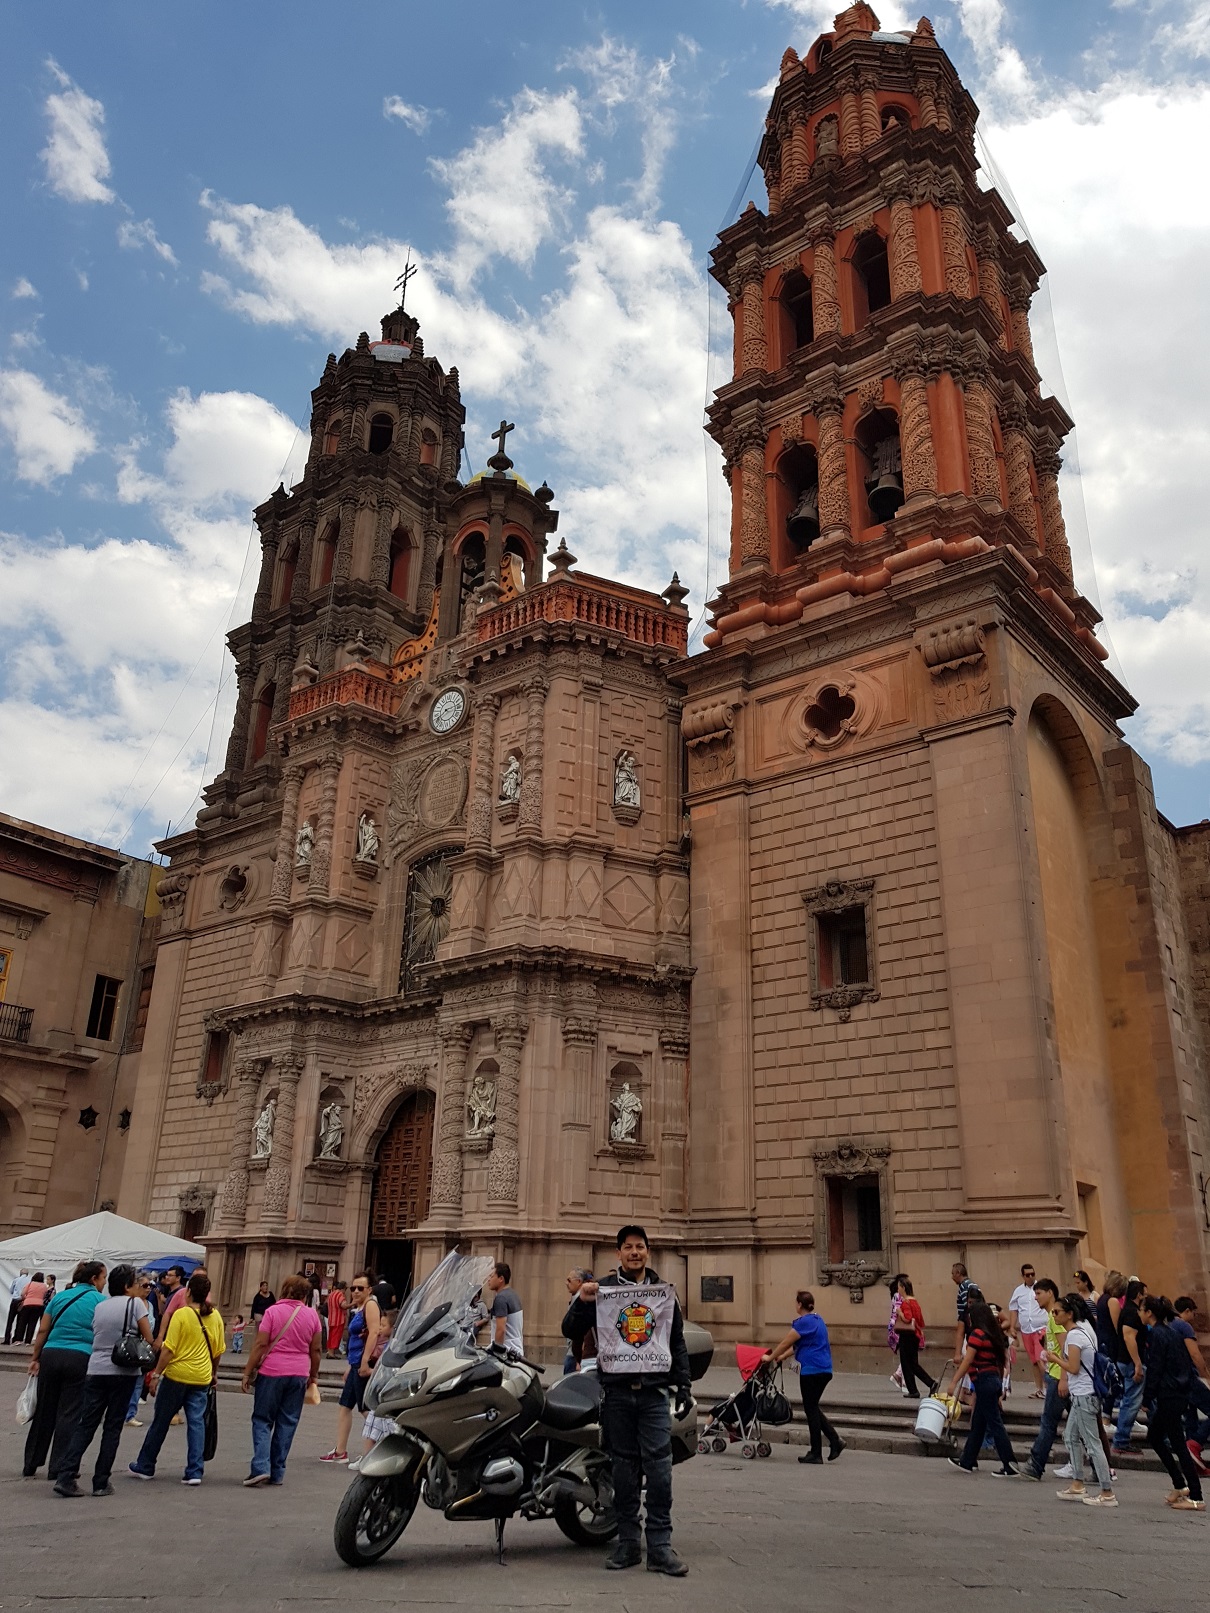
(436, 1313)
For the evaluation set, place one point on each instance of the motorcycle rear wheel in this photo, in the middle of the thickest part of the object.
(372, 1516)
(584, 1525)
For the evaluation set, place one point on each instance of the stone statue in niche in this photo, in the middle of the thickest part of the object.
(262, 1132)
(510, 779)
(331, 1131)
(627, 1107)
(367, 839)
(304, 844)
(481, 1107)
(827, 138)
(625, 781)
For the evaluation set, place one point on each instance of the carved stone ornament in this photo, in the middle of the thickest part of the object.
(957, 662)
(481, 1109)
(171, 892)
(836, 897)
(855, 1275)
(709, 737)
(194, 1199)
(443, 792)
(851, 1159)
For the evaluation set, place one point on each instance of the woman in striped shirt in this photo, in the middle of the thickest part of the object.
(984, 1359)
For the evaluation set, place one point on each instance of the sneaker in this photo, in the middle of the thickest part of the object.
(1103, 1498)
(191, 1481)
(339, 1457)
(896, 1380)
(954, 1462)
(355, 1466)
(1186, 1505)
(136, 1473)
(1071, 1493)
(1006, 1472)
(68, 1488)
(666, 1562)
(133, 1422)
(1064, 1472)
(253, 1479)
(626, 1554)
(1031, 1472)
(106, 1489)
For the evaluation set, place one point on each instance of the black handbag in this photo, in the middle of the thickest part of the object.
(210, 1444)
(770, 1403)
(132, 1352)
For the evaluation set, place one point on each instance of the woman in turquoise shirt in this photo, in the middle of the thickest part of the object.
(60, 1363)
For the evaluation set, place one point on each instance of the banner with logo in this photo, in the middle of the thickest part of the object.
(634, 1328)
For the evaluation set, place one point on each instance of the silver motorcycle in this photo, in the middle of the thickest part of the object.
(477, 1435)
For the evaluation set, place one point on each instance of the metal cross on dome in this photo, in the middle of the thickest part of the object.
(500, 460)
(401, 285)
(499, 436)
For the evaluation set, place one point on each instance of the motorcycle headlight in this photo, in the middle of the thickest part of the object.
(408, 1383)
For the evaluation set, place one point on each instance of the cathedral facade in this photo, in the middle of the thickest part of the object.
(852, 943)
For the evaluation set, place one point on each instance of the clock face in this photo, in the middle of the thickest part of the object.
(447, 711)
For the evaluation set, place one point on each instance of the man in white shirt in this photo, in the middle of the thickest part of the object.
(15, 1289)
(1027, 1321)
(507, 1318)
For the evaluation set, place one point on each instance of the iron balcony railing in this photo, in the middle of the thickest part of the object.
(15, 1022)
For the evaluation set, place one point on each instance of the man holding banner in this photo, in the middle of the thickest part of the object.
(642, 1361)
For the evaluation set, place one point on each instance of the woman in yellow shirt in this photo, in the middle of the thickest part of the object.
(186, 1368)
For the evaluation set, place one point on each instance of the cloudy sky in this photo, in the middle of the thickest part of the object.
(202, 201)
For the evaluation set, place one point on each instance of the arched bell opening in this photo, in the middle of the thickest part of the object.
(515, 564)
(895, 117)
(325, 554)
(880, 464)
(871, 277)
(332, 436)
(262, 716)
(428, 446)
(400, 563)
(472, 571)
(795, 315)
(382, 433)
(283, 577)
(796, 502)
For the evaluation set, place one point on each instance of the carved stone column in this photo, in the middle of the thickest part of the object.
(755, 350)
(916, 437)
(233, 1199)
(954, 244)
(850, 117)
(344, 542)
(503, 1165)
(903, 252)
(263, 597)
(674, 1117)
(579, 1040)
(530, 814)
(483, 783)
(825, 291)
(991, 285)
(871, 123)
(302, 570)
(977, 406)
(834, 513)
(1058, 552)
(283, 866)
(754, 513)
(447, 1167)
(321, 857)
(237, 745)
(283, 673)
(279, 1174)
(799, 154)
(1018, 302)
(1017, 458)
(927, 103)
(380, 559)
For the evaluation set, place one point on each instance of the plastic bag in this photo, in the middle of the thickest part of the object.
(27, 1400)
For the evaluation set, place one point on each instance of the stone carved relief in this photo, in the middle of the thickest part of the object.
(833, 708)
(171, 892)
(709, 736)
(627, 796)
(367, 839)
(304, 845)
(195, 1199)
(481, 1107)
(262, 1131)
(627, 1109)
(443, 793)
(957, 663)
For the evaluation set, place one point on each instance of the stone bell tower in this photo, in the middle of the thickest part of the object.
(917, 944)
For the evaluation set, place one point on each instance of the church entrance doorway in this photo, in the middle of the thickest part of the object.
(402, 1182)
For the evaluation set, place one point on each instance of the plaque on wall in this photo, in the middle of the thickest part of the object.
(718, 1290)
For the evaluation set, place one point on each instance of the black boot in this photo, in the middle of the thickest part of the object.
(836, 1450)
(626, 1554)
(665, 1561)
(814, 1458)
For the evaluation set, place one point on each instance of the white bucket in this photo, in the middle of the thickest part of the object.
(931, 1420)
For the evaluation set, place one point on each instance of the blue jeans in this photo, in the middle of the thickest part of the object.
(132, 1408)
(986, 1419)
(1053, 1408)
(170, 1398)
(1132, 1399)
(275, 1412)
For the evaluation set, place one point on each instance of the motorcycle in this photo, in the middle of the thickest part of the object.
(477, 1434)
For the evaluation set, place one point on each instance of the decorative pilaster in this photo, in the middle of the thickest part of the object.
(916, 437)
(800, 160)
(903, 252)
(302, 571)
(503, 1166)
(1017, 458)
(276, 1201)
(579, 1040)
(1018, 303)
(237, 745)
(321, 857)
(953, 245)
(344, 542)
(483, 783)
(447, 1167)
(530, 815)
(755, 350)
(991, 288)
(1047, 463)
(263, 597)
(674, 1117)
(233, 1199)
(754, 514)
(850, 118)
(871, 123)
(380, 558)
(977, 406)
(834, 513)
(825, 292)
(283, 864)
(283, 673)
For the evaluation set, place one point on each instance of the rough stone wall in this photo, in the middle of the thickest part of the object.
(1192, 850)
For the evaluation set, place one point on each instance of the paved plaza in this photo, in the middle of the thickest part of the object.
(868, 1532)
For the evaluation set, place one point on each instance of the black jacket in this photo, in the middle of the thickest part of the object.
(582, 1315)
(1169, 1367)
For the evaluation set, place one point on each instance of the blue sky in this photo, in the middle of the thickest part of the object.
(202, 201)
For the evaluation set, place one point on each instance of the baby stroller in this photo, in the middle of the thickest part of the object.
(739, 1418)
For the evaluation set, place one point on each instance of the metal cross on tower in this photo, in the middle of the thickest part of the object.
(499, 436)
(500, 460)
(401, 285)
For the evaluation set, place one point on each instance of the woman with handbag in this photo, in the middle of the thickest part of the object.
(121, 1349)
(60, 1363)
(182, 1380)
(908, 1321)
(282, 1369)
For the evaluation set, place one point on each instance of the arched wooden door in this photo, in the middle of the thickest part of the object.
(402, 1183)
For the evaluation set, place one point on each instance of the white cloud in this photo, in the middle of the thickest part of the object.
(621, 78)
(23, 288)
(417, 118)
(132, 236)
(77, 163)
(819, 14)
(47, 433)
(1006, 78)
(502, 200)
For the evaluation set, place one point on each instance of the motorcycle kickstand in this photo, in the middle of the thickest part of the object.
(500, 1541)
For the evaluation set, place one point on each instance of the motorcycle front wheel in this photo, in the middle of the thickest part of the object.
(372, 1516)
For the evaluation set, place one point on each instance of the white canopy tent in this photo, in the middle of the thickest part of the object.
(104, 1236)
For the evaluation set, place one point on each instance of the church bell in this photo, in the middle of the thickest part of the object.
(802, 525)
(886, 495)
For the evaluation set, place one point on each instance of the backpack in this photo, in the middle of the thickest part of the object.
(1107, 1382)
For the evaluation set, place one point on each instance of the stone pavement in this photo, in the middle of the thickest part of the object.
(866, 1532)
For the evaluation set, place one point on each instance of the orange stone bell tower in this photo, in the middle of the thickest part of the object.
(923, 860)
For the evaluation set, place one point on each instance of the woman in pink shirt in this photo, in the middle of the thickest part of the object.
(283, 1363)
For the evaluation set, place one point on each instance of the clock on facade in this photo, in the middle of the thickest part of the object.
(447, 711)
